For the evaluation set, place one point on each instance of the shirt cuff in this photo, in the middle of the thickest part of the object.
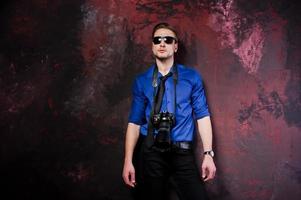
(201, 115)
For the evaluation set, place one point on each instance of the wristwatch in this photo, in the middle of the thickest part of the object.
(210, 153)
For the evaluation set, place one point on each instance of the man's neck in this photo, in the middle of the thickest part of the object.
(164, 66)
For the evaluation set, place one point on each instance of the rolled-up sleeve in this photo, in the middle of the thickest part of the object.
(199, 102)
(137, 113)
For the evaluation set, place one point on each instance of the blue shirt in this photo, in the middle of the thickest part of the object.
(191, 101)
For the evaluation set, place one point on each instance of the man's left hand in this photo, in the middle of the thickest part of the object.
(208, 168)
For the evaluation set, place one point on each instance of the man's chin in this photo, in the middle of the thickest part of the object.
(162, 58)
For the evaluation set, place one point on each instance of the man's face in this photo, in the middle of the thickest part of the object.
(164, 50)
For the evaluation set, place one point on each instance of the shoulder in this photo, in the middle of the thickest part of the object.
(143, 79)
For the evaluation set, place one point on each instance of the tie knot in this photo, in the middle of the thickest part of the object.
(164, 78)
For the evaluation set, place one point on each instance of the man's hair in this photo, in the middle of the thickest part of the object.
(165, 26)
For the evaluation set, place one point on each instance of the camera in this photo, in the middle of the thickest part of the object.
(163, 122)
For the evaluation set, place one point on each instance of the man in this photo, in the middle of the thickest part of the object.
(167, 99)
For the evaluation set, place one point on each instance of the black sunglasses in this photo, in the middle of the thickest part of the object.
(166, 39)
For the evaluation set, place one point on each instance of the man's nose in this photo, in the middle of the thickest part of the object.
(162, 43)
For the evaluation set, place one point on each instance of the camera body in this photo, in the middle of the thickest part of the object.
(163, 122)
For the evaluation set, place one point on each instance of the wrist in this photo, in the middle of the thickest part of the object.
(209, 153)
(127, 159)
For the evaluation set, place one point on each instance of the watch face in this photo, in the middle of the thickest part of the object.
(211, 153)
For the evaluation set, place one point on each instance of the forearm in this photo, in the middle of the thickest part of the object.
(205, 131)
(132, 135)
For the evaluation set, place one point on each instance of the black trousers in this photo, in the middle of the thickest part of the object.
(157, 173)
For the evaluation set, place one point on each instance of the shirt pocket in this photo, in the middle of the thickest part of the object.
(184, 90)
(149, 93)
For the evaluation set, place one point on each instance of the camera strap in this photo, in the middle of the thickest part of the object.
(150, 129)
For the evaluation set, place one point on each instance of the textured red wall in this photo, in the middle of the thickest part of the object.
(66, 72)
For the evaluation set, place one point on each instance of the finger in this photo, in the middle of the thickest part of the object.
(132, 179)
(126, 179)
(204, 172)
(214, 173)
(211, 173)
(207, 177)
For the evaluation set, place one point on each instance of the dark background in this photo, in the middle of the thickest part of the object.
(66, 69)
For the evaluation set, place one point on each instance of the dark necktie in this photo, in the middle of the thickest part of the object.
(160, 93)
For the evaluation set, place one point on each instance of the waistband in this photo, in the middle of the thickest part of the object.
(186, 145)
(182, 145)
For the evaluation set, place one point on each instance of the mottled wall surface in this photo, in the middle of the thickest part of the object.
(66, 69)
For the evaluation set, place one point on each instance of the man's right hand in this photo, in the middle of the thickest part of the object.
(128, 174)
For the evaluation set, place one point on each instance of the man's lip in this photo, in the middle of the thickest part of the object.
(161, 51)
